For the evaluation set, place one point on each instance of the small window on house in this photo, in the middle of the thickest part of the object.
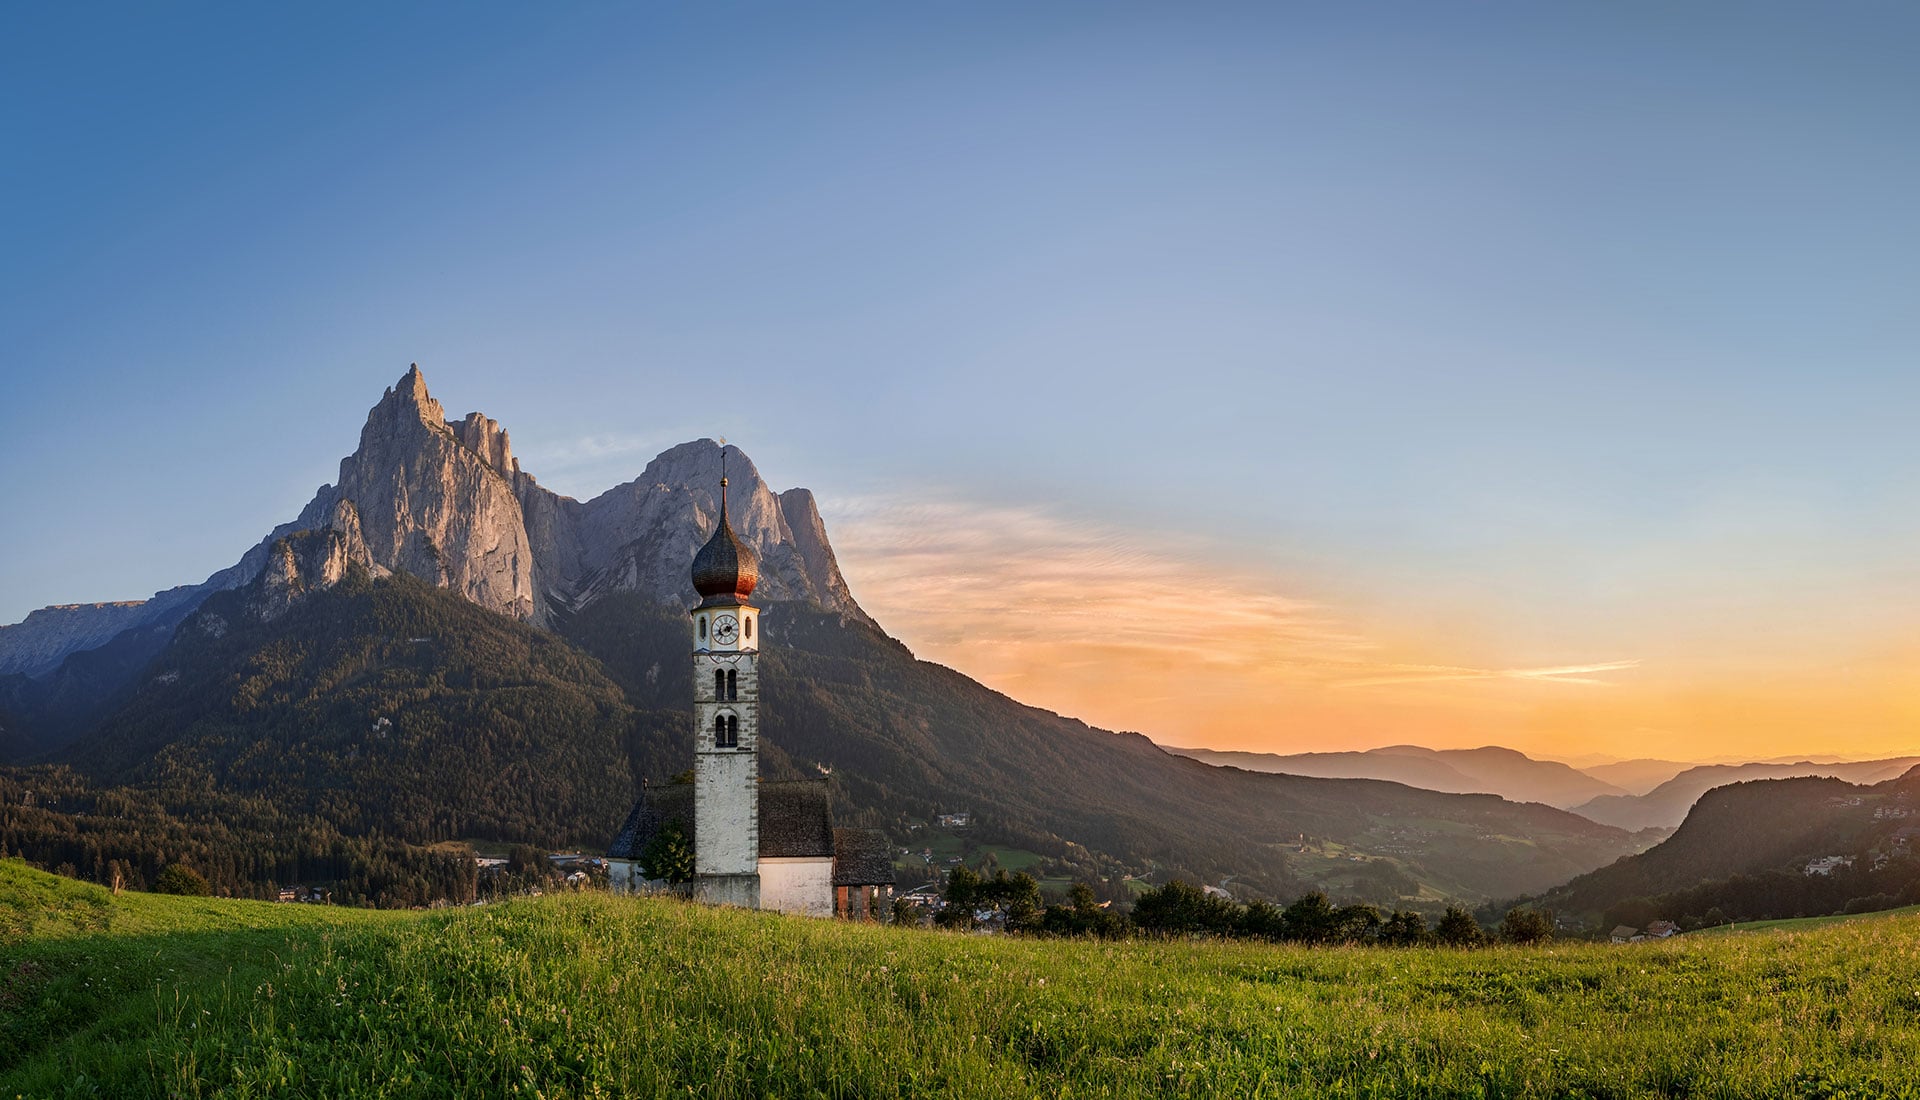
(733, 685)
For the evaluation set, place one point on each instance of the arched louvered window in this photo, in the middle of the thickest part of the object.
(733, 730)
(719, 685)
(724, 726)
(733, 685)
(702, 620)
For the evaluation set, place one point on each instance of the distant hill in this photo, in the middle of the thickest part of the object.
(1666, 806)
(1491, 770)
(1745, 848)
(1638, 776)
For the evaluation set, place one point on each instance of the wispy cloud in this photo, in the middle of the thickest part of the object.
(1133, 631)
(1431, 674)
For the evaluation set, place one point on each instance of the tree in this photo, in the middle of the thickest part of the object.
(1310, 919)
(1022, 903)
(1405, 928)
(1180, 906)
(1457, 928)
(668, 855)
(1527, 926)
(181, 879)
(963, 887)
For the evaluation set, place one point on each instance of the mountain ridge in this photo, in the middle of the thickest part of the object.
(1490, 769)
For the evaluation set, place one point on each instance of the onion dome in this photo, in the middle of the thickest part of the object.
(725, 569)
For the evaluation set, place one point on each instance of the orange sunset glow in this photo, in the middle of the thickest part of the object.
(1169, 640)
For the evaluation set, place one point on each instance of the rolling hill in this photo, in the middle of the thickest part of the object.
(1667, 805)
(1745, 850)
(1491, 770)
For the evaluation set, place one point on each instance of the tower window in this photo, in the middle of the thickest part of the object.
(726, 731)
(749, 628)
(703, 627)
(719, 685)
(733, 685)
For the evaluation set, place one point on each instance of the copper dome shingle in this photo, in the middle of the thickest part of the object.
(725, 566)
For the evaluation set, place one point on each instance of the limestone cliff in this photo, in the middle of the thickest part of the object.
(437, 500)
(311, 561)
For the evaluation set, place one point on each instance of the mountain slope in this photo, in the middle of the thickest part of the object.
(1767, 827)
(389, 706)
(1491, 770)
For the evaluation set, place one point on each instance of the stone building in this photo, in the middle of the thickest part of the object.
(759, 845)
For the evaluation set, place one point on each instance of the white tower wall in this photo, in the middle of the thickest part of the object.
(727, 777)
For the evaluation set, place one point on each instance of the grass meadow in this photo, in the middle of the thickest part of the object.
(595, 996)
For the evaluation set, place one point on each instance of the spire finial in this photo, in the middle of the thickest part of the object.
(723, 477)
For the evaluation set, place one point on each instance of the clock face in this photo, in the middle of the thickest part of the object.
(725, 629)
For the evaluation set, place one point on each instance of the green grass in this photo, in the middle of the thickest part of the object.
(1802, 924)
(593, 996)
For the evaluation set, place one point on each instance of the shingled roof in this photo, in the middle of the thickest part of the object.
(796, 819)
(862, 857)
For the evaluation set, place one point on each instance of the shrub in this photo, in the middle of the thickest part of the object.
(181, 879)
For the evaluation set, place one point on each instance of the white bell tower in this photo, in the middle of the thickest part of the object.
(726, 717)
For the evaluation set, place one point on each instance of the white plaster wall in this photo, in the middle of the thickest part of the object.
(726, 808)
(623, 876)
(803, 886)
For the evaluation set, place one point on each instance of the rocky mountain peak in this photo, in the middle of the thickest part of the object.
(487, 439)
(448, 503)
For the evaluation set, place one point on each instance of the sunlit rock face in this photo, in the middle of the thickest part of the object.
(433, 506)
(311, 561)
(447, 502)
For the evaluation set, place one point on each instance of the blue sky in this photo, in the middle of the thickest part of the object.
(1571, 332)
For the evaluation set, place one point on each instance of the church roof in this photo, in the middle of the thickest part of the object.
(796, 819)
(862, 857)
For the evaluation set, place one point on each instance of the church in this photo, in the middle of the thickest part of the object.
(758, 845)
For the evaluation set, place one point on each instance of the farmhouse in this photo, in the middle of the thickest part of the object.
(769, 845)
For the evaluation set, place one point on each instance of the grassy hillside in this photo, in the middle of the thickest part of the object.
(596, 996)
(1803, 924)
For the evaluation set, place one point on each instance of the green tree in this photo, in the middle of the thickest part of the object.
(1405, 928)
(1527, 926)
(963, 887)
(1310, 919)
(668, 855)
(1457, 928)
(1023, 903)
(181, 879)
